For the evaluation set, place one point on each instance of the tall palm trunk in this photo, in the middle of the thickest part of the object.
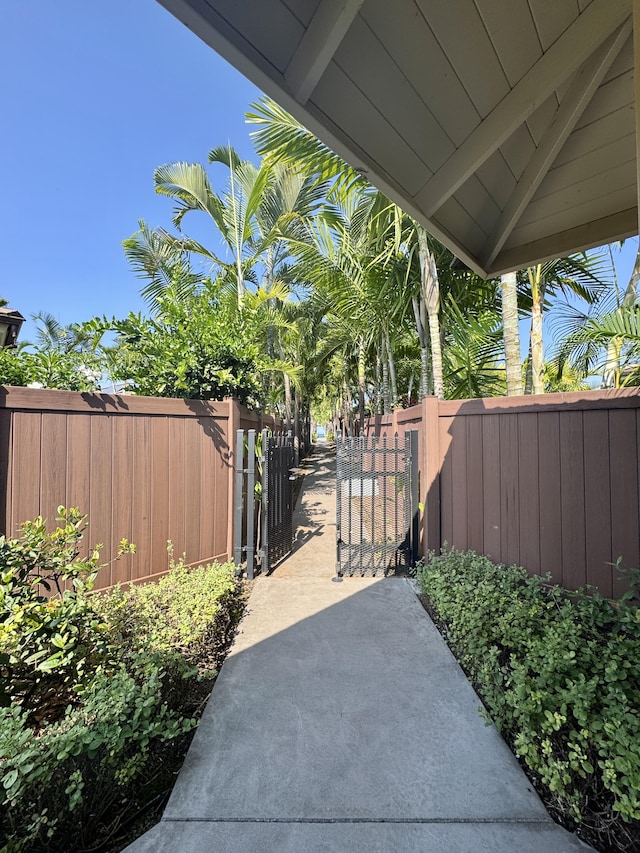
(237, 237)
(287, 400)
(296, 425)
(611, 372)
(511, 334)
(386, 391)
(535, 364)
(392, 370)
(420, 314)
(431, 295)
(378, 394)
(361, 382)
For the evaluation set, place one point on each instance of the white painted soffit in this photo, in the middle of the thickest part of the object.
(507, 128)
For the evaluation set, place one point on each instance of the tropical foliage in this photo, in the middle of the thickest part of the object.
(310, 285)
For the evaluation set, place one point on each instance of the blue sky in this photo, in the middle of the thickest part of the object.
(96, 94)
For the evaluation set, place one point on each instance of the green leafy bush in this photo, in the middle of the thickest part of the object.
(99, 691)
(48, 645)
(189, 612)
(49, 368)
(558, 672)
(196, 346)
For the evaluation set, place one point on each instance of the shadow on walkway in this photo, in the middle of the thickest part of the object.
(341, 722)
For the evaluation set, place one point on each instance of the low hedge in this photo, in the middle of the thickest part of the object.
(559, 675)
(101, 692)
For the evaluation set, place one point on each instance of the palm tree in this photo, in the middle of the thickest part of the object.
(611, 330)
(411, 260)
(511, 333)
(581, 275)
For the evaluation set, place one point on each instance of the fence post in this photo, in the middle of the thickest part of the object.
(415, 495)
(251, 483)
(264, 515)
(431, 468)
(239, 471)
(233, 424)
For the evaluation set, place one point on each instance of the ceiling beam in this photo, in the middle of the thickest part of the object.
(636, 84)
(578, 95)
(599, 20)
(322, 38)
(617, 226)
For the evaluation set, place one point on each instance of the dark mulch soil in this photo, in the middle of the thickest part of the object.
(597, 828)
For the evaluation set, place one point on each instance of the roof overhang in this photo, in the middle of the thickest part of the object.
(507, 129)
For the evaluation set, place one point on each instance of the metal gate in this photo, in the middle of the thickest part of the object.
(264, 470)
(377, 505)
(278, 462)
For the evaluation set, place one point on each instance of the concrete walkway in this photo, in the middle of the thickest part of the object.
(341, 722)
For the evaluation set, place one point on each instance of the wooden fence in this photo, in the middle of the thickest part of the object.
(146, 469)
(547, 482)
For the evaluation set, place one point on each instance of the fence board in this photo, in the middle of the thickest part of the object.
(529, 491)
(509, 494)
(121, 496)
(78, 457)
(572, 500)
(192, 480)
(549, 480)
(5, 459)
(141, 512)
(446, 481)
(221, 472)
(624, 492)
(100, 504)
(160, 525)
(458, 453)
(597, 508)
(177, 490)
(53, 480)
(25, 468)
(491, 486)
(475, 521)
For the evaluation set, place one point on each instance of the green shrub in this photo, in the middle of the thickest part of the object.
(48, 645)
(191, 612)
(94, 685)
(558, 672)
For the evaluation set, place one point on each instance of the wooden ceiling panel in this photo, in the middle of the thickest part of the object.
(452, 218)
(552, 18)
(489, 121)
(271, 28)
(456, 26)
(609, 98)
(597, 134)
(303, 10)
(623, 64)
(373, 71)
(360, 120)
(513, 34)
(421, 59)
(600, 161)
(498, 178)
(600, 194)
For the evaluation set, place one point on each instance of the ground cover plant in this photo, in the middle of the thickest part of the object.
(559, 676)
(99, 693)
